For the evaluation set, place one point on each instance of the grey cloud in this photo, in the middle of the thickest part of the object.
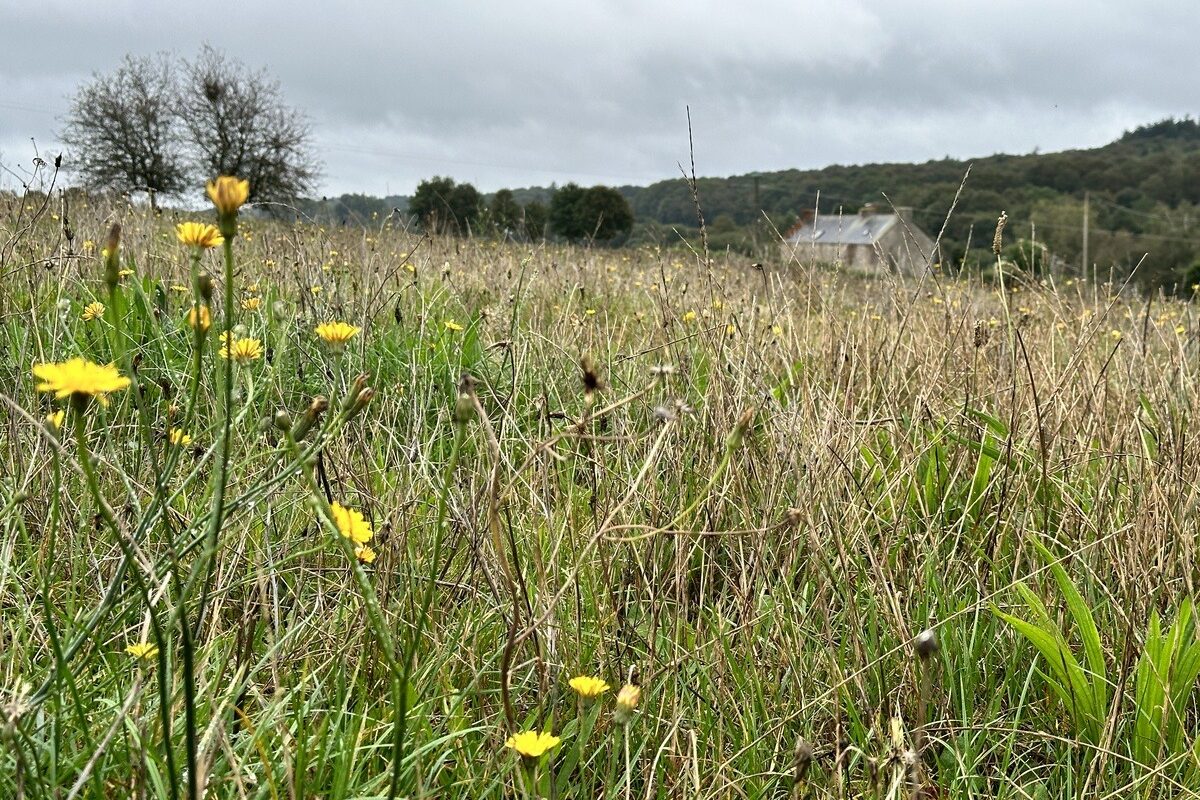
(521, 93)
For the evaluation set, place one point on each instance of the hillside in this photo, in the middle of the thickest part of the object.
(1142, 191)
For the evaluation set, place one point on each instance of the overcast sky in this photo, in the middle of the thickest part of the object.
(526, 93)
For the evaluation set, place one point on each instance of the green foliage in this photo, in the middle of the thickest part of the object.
(599, 213)
(1081, 686)
(443, 206)
(1163, 683)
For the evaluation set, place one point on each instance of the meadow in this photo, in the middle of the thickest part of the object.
(807, 534)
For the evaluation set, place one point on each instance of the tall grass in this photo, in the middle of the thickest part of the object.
(745, 491)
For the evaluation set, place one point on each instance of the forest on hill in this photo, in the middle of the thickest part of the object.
(1141, 193)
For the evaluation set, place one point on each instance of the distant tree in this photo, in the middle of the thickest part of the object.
(566, 212)
(123, 132)
(443, 206)
(601, 213)
(535, 219)
(505, 212)
(237, 123)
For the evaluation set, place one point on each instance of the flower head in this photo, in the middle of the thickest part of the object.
(91, 311)
(627, 702)
(142, 651)
(178, 436)
(200, 318)
(251, 303)
(198, 234)
(532, 744)
(451, 325)
(336, 334)
(228, 194)
(351, 524)
(243, 351)
(364, 554)
(79, 378)
(55, 419)
(588, 687)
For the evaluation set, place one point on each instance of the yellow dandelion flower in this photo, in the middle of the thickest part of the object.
(199, 234)
(179, 437)
(177, 287)
(228, 194)
(92, 311)
(243, 351)
(1114, 334)
(451, 325)
(730, 330)
(200, 318)
(364, 554)
(253, 288)
(125, 273)
(689, 316)
(316, 290)
(55, 419)
(532, 744)
(89, 246)
(79, 378)
(1180, 329)
(588, 687)
(251, 304)
(591, 312)
(142, 651)
(336, 334)
(777, 330)
(351, 524)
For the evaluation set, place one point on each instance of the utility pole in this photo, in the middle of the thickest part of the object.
(1085, 234)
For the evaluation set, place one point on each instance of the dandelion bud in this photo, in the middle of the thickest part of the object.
(112, 257)
(313, 413)
(283, 420)
(464, 407)
(739, 429)
(364, 399)
(360, 383)
(205, 285)
(627, 703)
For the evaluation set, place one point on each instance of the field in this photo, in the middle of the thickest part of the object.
(745, 491)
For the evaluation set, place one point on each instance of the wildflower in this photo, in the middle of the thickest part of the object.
(125, 273)
(336, 334)
(689, 316)
(91, 311)
(591, 312)
(451, 325)
(89, 246)
(142, 651)
(243, 351)
(730, 330)
(200, 318)
(79, 379)
(177, 437)
(251, 304)
(198, 234)
(777, 330)
(316, 290)
(55, 419)
(351, 524)
(176, 287)
(588, 687)
(627, 703)
(228, 194)
(532, 744)
(364, 554)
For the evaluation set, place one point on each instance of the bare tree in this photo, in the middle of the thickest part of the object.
(238, 124)
(123, 131)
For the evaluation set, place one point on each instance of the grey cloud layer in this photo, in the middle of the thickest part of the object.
(520, 93)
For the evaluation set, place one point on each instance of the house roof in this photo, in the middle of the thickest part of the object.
(843, 229)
